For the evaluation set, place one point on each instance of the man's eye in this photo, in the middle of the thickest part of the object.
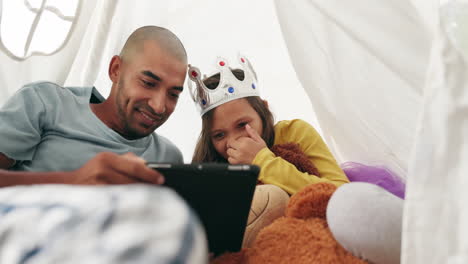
(148, 84)
(175, 95)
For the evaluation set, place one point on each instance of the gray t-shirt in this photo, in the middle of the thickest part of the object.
(46, 127)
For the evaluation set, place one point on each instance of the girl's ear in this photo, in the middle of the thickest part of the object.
(266, 103)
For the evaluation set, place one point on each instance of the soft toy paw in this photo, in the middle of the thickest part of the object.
(268, 204)
(302, 236)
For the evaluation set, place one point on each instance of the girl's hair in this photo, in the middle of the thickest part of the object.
(204, 150)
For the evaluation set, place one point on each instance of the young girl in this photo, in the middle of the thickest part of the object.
(238, 127)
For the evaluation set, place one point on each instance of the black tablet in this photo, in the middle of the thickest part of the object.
(221, 194)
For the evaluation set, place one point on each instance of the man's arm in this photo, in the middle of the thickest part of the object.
(13, 178)
(104, 168)
(10, 178)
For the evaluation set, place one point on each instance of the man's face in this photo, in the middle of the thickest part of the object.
(148, 88)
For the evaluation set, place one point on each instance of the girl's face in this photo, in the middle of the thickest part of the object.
(229, 122)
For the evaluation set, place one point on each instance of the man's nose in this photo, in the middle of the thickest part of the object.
(158, 102)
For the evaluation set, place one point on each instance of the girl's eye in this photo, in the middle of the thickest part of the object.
(218, 136)
(242, 124)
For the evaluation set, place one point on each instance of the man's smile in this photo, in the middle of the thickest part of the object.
(149, 119)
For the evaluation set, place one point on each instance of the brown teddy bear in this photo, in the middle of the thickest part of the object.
(302, 235)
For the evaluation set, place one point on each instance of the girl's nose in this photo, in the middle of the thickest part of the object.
(235, 137)
(242, 133)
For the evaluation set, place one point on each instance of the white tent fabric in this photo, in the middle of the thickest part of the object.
(363, 65)
(435, 215)
(435, 207)
(16, 71)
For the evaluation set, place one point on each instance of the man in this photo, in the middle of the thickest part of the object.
(55, 135)
(49, 135)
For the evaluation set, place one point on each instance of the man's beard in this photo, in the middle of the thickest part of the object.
(128, 131)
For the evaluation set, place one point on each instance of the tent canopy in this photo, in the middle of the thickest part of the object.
(381, 81)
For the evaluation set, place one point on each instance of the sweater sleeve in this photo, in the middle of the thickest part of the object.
(277, 171)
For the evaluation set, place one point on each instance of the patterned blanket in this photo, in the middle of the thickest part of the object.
(112, 224)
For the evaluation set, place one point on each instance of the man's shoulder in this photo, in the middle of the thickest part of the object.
(52, 91)
(168, 146)
(162, 140)
(41, 87)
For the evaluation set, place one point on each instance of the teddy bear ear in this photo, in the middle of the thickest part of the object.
(311, 201)
(293, 153)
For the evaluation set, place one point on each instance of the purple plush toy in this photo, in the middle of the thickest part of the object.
(377, 175)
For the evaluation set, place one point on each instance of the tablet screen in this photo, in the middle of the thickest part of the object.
(219, 193)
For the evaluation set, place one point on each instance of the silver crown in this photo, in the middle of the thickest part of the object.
(228, 89)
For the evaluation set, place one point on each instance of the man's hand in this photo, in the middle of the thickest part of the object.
(244, 149)
(110, 168)
(5, 162)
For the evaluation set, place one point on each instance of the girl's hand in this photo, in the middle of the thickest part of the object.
(244, 149)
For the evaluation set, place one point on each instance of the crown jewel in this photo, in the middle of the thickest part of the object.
(228, 89)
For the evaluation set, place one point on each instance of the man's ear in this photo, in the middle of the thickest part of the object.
(266, 103)
(114, 68)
